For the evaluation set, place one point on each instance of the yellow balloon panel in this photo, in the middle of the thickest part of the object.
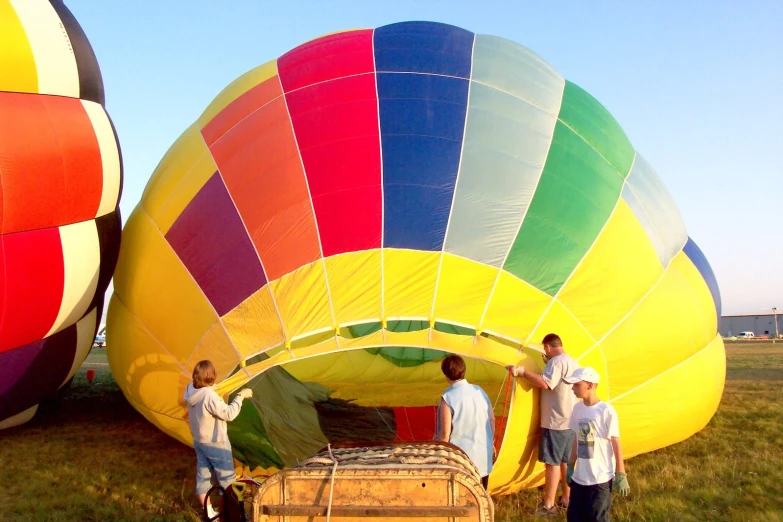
(648, 420)
(558, 320)
(667, 327)
(179, 176)
(354, 286)
(478, 347)
(254, 325)
(123, 331)
(358, 365)
(142, 368)
(158, 385)
(50, 41)
(281, 357)
(517, 463)
(622, 264)
(15, 49)
(216, 347)
(153, 282)
(303, 300)
(514, 308)
(371, 380)
(409, 282)
(463, 290)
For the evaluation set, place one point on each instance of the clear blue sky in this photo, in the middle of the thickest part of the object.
(696, 85)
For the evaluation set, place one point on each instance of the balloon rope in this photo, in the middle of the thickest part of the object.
(331, 486)
(506, 404)
(500, 390)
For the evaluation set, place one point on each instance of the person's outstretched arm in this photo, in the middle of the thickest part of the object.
(444, 422)
(534, 378)
(227, 412)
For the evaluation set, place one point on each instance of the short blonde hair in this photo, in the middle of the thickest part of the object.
(204, 374)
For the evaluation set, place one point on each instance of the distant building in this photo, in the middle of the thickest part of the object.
(760, 323)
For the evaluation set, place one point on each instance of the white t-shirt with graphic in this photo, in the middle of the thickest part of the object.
(594, 427)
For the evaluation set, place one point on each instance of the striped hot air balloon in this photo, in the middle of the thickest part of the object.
(60, 177)
(340, 218)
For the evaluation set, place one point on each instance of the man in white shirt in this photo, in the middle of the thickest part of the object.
(557, 402)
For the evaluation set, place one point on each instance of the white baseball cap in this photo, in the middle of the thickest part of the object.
(584, 373)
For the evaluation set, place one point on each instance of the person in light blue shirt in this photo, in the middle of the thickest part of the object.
(465, 417)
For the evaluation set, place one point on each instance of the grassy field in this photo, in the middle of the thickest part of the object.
(90, 456)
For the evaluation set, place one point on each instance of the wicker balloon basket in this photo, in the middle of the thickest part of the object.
(395, 481)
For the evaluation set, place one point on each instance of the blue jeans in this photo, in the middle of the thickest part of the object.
(213, 457)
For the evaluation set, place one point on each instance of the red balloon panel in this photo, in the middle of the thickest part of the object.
(31, 285)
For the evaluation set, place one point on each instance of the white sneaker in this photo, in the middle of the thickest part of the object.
(211, 513)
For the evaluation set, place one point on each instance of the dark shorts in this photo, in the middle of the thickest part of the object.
(590, 503)
(554, 446)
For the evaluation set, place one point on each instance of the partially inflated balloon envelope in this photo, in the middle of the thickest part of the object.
(60, 176)
(340, 218)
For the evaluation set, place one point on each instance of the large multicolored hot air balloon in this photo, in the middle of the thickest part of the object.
(60, 177)
(340, 218)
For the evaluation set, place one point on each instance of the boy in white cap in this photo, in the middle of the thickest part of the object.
(596, 452)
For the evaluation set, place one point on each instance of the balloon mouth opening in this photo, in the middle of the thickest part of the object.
(370, 395)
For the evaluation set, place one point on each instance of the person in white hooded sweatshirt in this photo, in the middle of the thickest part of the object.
(208, 414)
